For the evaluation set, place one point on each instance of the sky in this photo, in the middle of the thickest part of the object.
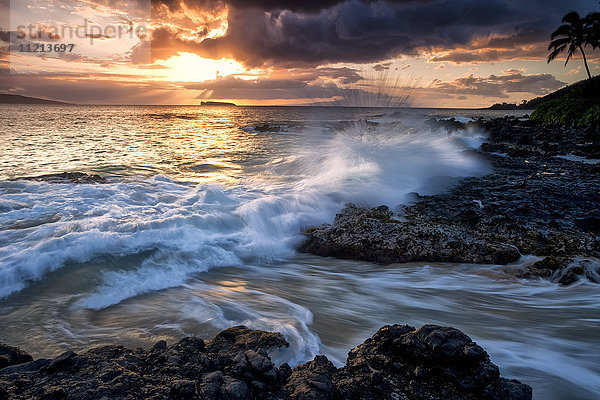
(431, 53)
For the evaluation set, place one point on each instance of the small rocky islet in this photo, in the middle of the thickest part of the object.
(398, 362)
(534, 202)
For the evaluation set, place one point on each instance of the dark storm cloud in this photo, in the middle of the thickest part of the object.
(290, 33)
(303, 6)
(346, 75)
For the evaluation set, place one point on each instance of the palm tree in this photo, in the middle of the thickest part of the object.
(570, 36)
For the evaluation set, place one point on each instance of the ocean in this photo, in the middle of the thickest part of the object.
(198, 224)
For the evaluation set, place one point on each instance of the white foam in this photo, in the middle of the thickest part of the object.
(222, 309)
(157, 273)
(199, 226)
(546, 360)
(573, 157)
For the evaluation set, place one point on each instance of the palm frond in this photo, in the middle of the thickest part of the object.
(571, 36)
(592, 29)
(555, 53)
(572, 18)
(563, 30)
(558, 42)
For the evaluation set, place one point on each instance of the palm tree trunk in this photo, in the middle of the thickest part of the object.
(585, 62)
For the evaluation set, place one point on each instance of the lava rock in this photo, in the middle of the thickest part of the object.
(398, 362)
(66, 177)
(12, 356)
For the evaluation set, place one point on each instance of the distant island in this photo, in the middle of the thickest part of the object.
(216, 103)
(18, 99)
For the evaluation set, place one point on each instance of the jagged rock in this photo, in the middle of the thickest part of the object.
(12, 355)
(360, 233)
(398, 362)
(312, 380)
(432, 362)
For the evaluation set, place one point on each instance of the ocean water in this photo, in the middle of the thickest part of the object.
(197, 226)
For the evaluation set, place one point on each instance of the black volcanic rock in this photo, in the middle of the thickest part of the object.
(398, 362)
(65, 177)
(432, 362)
(12, 355)
(533, 139)
(372, 235)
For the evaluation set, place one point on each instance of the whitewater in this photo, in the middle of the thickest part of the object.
(197, 226)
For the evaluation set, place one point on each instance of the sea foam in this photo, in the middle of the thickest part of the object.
(186, 228)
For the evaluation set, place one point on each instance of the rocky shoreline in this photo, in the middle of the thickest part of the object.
(533, 203)
(398, 362)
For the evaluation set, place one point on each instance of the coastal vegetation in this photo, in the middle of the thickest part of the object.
(576, 105)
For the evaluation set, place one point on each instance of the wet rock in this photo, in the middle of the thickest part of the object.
(590, 224)
(359, 233)
(183, 389)
(54, 393)
(31, 366)
(546, 268)
(432, 362)
(398, 362)
(12, 356)
(62, 362)
(553, 263)
(66, 177)
(528, 138)
(568, 278)
(312, 380)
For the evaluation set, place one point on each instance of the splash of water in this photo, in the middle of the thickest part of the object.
(190, 228)
(133, 236)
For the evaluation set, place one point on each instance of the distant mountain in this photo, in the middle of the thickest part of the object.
(216, 103)
(18, 99)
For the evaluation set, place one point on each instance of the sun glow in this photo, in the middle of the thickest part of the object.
(188, 67)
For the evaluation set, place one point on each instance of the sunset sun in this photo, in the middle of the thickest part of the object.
(189, 67)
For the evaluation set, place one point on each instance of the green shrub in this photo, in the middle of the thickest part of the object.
(592, 116)
(569, 111)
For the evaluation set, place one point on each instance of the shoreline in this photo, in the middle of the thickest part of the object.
(534, 203)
